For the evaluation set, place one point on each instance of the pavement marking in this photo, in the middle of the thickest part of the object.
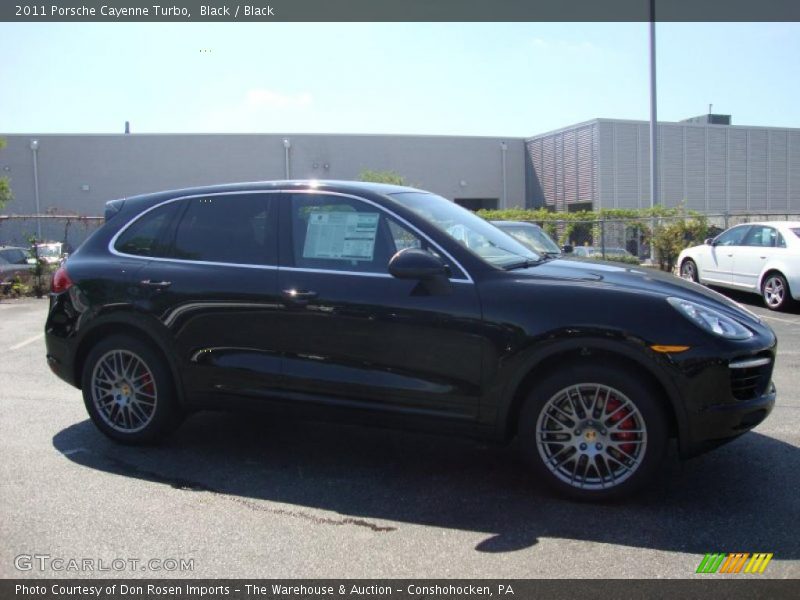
(30, 340)
(781, 320)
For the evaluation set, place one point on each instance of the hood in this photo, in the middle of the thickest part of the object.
(637, 280)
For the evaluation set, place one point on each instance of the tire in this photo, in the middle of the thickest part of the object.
(607, 449)
(128, 391)
(689, 270)
(775, 292)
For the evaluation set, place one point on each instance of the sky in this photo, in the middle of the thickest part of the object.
(493, 79)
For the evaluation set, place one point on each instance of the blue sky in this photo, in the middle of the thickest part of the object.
(498, 79)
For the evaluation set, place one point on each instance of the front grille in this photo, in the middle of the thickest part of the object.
(750, 377)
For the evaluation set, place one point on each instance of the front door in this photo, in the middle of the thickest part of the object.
(356, 336)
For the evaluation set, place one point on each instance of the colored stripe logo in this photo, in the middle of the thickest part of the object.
(734, 562)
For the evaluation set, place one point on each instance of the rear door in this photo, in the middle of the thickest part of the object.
(760, 245)
(212, 282)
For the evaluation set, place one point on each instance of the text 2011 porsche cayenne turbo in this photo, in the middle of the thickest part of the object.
(390, 305)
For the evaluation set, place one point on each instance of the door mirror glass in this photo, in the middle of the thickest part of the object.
(709, 242)
(413, 263)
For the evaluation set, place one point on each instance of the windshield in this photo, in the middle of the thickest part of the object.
(532, 237)
(480, 236)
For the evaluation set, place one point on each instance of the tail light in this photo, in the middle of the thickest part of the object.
(61, 281)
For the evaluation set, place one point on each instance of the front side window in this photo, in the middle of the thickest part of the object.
(732, 237)
(147, 235)
(761, 235)
(232, 229)
(344, 234)
(479, 236)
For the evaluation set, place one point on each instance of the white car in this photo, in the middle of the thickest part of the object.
(763, 258)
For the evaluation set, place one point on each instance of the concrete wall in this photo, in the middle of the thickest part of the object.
(79, 173)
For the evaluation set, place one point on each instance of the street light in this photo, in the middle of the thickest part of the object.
(35, 151)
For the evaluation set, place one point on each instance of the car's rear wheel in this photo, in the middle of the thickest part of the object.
(775, 291)
(689, 270)
(594, 433)
(128, 391)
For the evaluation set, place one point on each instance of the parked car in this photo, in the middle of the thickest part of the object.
(14, 261)
(611, 253)
(531, 236)
(763, 258)
(51, 253)
(294, 296)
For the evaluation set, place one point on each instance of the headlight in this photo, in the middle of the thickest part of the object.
(711, 320)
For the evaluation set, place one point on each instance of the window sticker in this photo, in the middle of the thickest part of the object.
(342, 235)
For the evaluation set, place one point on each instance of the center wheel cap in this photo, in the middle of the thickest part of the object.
(591, 435)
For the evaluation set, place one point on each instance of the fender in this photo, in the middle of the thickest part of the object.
(631, 349)
(124, 318)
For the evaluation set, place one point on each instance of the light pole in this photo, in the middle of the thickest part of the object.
(503, 150)
(287, 144)
(653, 127)
(35, 151)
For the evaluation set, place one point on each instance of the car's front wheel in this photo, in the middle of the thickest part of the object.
(775, 291)
(594, 433)
(689, 270)
(128, 391)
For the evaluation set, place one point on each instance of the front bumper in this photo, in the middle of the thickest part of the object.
(717, 425)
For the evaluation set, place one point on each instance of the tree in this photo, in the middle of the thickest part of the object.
(382, 177)
(5, 183)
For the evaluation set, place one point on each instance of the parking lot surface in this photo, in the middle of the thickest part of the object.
(253, 496)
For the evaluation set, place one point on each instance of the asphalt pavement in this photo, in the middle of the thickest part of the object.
(235, 495)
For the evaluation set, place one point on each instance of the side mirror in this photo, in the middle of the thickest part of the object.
(568, 249)
(413, 263)
(709, 242)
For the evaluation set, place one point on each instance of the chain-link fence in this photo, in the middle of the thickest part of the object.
(645, 239)
(71, 231)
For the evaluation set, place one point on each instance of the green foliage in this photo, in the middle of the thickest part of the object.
(671, 237)
(5, 183)
(382, 177)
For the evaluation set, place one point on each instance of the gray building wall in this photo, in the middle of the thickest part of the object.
(710, 168)
(79, 173)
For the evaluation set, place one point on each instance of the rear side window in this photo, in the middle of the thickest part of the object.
(148, 235)
(233, 229)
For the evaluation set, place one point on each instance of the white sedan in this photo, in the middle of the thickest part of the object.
(763, 258)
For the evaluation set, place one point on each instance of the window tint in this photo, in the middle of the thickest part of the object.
(343, 234)
(760, 235)
(237, 229)
(147, 236)
(732, 237)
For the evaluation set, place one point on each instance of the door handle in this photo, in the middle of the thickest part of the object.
(299, 296)
(158, 285)
(762, 257)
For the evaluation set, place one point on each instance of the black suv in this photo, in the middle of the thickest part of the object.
(390, 305)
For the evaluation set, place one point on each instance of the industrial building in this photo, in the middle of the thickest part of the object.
(705, 163)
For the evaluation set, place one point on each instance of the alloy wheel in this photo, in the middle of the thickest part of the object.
(774, 291)
(688, 271)
(591, 436)
(124, 391)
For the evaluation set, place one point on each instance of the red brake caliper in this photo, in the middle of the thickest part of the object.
(612, 405)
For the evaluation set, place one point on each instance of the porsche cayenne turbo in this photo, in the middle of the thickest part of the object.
(391, 306)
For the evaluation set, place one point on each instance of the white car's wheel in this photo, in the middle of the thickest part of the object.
(775, 291)
(689, 270)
